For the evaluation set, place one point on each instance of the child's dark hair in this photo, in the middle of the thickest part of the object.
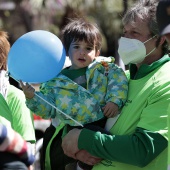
(81, 30)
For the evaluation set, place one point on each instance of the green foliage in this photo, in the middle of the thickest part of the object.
(52, 15)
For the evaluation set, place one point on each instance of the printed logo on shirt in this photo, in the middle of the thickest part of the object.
(128, 102)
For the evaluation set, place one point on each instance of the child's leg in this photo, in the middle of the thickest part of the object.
(57, 156)
(95, 126)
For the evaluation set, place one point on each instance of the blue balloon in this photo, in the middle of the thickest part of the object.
(36, 57)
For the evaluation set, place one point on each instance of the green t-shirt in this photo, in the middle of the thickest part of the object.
(5, 113)
(148, 103)
(22, 118)
(169, 139)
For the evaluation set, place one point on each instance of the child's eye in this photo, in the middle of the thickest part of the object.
(76, 46)
(89, 48)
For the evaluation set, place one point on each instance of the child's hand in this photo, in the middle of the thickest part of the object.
(28, 90)
(110, 110)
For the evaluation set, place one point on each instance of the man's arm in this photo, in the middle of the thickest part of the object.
(138, 149)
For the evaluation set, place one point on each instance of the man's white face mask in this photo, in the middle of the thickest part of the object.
(132, 50)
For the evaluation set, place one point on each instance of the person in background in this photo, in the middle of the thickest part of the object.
(139, 136)
(163, 19)
(19, 116)
(15, 152)
(89, 90)
(22, 119)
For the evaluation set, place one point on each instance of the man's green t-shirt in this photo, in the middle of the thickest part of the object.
(169, 140)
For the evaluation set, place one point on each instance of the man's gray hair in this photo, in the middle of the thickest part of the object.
(144, 10)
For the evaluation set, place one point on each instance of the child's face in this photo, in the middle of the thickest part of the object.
(81, 54)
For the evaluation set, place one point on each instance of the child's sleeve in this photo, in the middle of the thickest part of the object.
(11, 141)
(117, 85)
(43, 101)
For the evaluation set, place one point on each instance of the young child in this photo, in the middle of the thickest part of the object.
(90, 90)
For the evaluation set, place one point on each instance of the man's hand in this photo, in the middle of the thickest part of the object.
(28, 90)
(70, 143)
(110, 110)
(85, 157)
(70, 148)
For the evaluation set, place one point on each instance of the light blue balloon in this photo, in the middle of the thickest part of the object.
(36, 57)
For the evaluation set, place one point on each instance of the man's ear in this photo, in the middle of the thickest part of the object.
(162, 40)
